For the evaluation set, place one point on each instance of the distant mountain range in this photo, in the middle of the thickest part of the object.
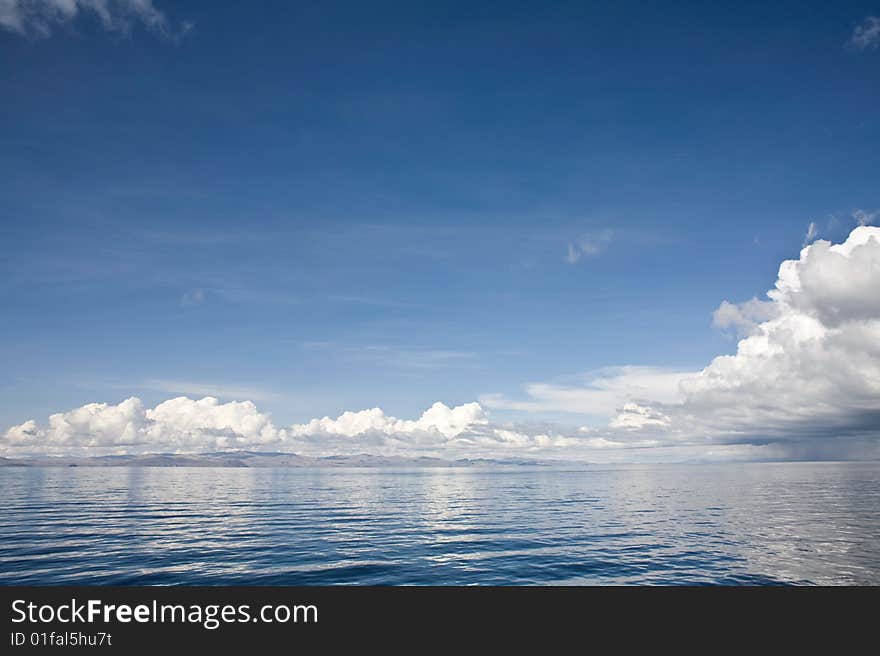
(256, 459)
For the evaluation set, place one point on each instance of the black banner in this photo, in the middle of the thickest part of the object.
(129, 619)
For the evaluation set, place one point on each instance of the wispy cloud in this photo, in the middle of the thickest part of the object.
(194, 297)
(864, 217)
(587, 245)
(40, 17)
(367, 300)
(597, 393)
(812, 233)
(241, 294)
(866, 35)
(416, 358)
(397, 357)
(237, 294)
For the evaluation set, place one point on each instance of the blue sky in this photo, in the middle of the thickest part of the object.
(332, 206)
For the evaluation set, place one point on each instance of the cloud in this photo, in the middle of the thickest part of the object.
(864, 217)
(444, 431)
(185, 425)
(743, 317)
(423, 358)
(805, 377)
(814, 366)
(588, 245)
(179, 424)
(866, 35)
(635, 416)
(40, 17)
(812, 233)
(804, 382)
(598, 393)
(194, 297)
(94, 425)
(446, 421)
(398, 357)
(833, 283)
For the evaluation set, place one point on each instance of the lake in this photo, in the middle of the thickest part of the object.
(803, 523)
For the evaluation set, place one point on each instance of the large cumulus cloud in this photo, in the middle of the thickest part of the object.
(94, 425)
(814, 366)
(179, 424)
(804, 380)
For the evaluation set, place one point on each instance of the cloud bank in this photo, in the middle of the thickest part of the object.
(185, 425)
(40, 17)
(804, 382)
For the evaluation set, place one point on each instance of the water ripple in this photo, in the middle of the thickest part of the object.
(743, 524)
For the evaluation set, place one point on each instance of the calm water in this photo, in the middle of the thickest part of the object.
(766, 523)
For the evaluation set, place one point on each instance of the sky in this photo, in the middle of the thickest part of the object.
(225, 226)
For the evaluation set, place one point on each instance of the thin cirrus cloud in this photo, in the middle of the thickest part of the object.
(803, 382)
(389, 356)
(413, 359)
(41, 17)
(866, 35)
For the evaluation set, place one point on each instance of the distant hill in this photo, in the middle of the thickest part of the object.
(257, 459)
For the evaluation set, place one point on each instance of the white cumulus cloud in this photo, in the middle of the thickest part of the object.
(179, 424)
(815, 365)
(743, 317)
(446, 421)
(635, 416)
(184, 424)
(804, 380)
(92, 425)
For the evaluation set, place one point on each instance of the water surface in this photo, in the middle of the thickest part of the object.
(723, 524)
